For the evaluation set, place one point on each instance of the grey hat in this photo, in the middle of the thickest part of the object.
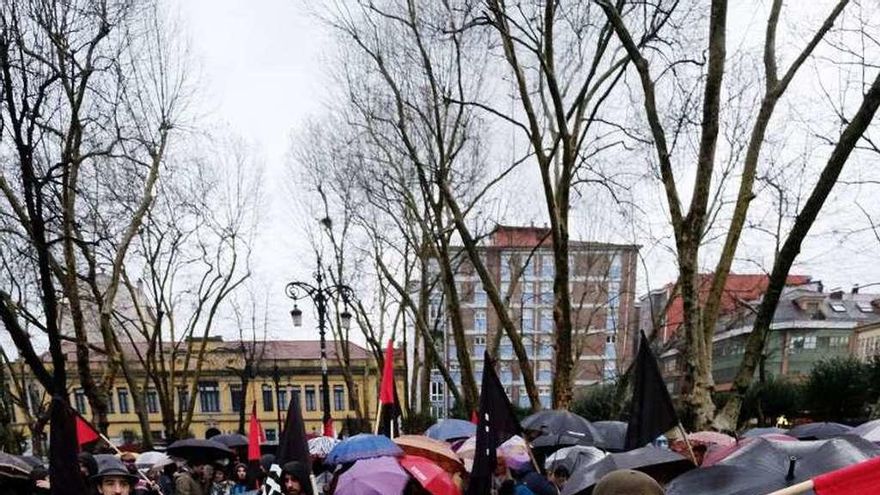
(109, 465)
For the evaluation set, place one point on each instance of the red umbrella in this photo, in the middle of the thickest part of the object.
(431, 476)
(717, 453)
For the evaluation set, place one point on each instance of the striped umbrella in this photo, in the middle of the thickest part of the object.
(321, 446)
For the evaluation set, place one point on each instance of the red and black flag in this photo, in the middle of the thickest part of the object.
(293, 444)
(255, 435)
(497, 423)
(85, 432)
(64, 475)
(651, 411)
(388, 422)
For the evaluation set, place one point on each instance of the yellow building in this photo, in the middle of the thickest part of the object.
(219, 394)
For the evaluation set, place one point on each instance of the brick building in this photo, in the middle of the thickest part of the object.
(602, 284)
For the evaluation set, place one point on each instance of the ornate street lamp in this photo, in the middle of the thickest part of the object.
(321, 294)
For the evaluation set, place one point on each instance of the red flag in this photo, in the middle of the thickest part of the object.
(329, 431)
(863, 477)
(255, 435)
(386, 393)
(389, 411)
(85, 433)
(474, 418)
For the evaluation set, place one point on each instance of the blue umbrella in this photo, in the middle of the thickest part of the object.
(362, 446)
(451, 429)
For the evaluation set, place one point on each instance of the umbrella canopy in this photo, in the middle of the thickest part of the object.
(435, 450)
(870, 431)
(231, 440)
(374, 476)
(717, 453)
(432, 477)
(196, 448)
(765, 465)
(818, 431)
(577, 457)
(515, 449)
(363, 446)
(757, 432)
(321, 446)
(451, 429)
(612, 433)
(153, 459)
(659, 463)
(13, 466)
(711, 438)
(560, 428)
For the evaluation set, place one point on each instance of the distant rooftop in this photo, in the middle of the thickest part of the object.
(511, 236)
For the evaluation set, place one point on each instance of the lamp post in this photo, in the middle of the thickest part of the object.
(321, 294)
(276, 377)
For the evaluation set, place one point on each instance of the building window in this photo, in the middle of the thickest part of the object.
(480, 321)
(479, 296)
(338, 398)
(528, 293)
(838, 307)
(268, 404)
(548, 270)
(802, 342)
(546, 320)
(505, 267)
(235, 397)
(614, 270)
(295, 395)
(436, 392)
(111, 403)
(79, 398)
(310, 398)
(479, 346)
(528, 321)
(122, 392)
(156, 435)
(209, 397)
(183, 398)
(152, 401)
(546, 292)
(271, 435)
(282, 398)
(544, 396)
(865, 307)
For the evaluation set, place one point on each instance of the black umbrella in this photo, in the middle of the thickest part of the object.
(231, 440)
(613, 434)
(198, 449)
(818, 431)
(660, 464)
(13, 466)
(558, 428)
(770, 430)
(766, 465)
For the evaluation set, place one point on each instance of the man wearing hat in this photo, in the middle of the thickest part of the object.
(113, 477)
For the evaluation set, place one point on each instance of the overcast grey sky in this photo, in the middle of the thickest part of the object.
(263, 76)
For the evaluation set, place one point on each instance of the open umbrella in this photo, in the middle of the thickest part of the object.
(764, 465)
(374, 476)
(717, 453)
(870, 431)
(612, 435)
(199, 449)
(573, 458)
(660, 464)
(321, 446)
(432, 477)
(13, 466)
(153, 459)
(818, 431)
(451, 429)
(435, 450)
(757, 432)
(515, 449)
(362, 446)
(711, 438)
(231, 440)
(560, 428)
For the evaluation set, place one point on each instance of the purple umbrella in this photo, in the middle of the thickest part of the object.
(376, 476)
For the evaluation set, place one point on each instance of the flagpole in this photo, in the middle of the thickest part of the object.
(802, 487)
(108, 442)
(688, 443)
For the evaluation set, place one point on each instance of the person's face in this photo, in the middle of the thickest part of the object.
(219, 475)
(114, 485)
(207, 472)
(241, 473)
(291, 485)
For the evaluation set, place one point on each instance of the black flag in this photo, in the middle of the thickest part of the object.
(497, 423)
(64, 476)
(293, 445)
(651, 412)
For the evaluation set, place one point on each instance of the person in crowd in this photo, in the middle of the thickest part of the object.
(559, 476)
(188, 479)
(508, 487)
(166, 479)
(88, 467)
(239, 479)
(295, 479)
(220, 485)
(533, 482)
(323, 476)
(207, 477)
(113, 477)
(40, 480)
(500, 475)
(627, 482)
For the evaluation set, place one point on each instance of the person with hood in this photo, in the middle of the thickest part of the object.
(295, 479)
(627, 482)
(113, 478)
(239, 479)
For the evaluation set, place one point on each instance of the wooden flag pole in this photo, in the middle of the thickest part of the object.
(688, 443)
(802, 487)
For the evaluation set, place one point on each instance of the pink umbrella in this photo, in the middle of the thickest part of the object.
(718, 453)
(431, 476)
(711, 438)
(375, 476)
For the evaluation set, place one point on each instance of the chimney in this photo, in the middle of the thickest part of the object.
(855, 289)
(820, 287)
